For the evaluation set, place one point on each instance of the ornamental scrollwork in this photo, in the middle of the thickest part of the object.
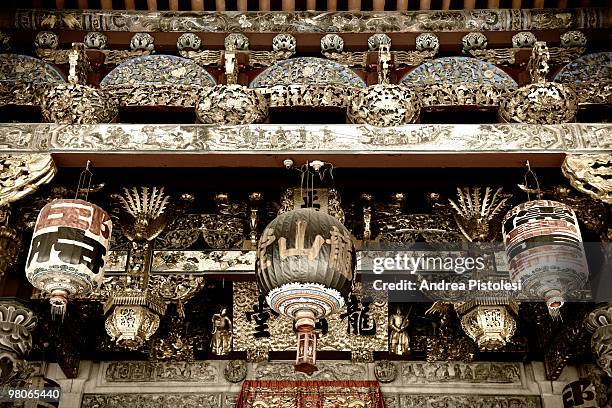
(284, 43)
(590, 174)
(599, 322)
(385, 371)
(524, 39)
(46, 40)
(95, 40)
(142, 41)
(474, 41)
(235, 371)
(176, 288)
(23, 174)
(588, 68)
(16, 324)
(188, 41)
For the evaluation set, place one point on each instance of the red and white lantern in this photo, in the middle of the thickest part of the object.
(545, 252)
(68, 250)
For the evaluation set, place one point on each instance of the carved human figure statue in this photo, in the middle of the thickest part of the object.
(221, 343)
(399, 342)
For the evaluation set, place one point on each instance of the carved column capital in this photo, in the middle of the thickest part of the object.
(599, 322)
(16, 325)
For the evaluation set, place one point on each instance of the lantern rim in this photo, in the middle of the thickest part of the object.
(294, 298)
(533, 202)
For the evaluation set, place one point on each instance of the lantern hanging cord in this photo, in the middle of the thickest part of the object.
(84, 182)
(528, 190)
(307, 178)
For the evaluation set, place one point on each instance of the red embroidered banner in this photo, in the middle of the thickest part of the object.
(310, 394)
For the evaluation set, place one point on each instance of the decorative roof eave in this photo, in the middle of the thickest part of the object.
(314, 22)
(267, 145)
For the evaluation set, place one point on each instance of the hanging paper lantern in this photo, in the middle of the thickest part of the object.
(544, 249)
(305, 268)
(68, 250)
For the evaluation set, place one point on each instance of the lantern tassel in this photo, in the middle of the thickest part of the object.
(58, 304)
(58, 310)
(555, 313)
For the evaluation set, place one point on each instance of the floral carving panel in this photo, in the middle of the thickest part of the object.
(459, 81)
(158, 70)
(588, 68)
(307, 70)
(454, 70)
(23, 68)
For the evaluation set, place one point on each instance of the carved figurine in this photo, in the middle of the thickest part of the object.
(399, 342)
(221, 343)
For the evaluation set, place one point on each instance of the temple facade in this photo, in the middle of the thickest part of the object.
(401, 204)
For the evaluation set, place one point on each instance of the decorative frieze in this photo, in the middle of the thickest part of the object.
(328, 370)
(161, 400)
(313, 22)
(144, 371)
(447, 373)
(461, 401)
(570, 138)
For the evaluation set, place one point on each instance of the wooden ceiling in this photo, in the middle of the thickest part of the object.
(297, 5)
